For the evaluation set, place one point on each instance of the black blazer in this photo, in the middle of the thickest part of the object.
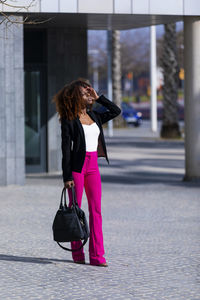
(73, 138)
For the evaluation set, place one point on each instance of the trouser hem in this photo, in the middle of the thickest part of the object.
(97, 261)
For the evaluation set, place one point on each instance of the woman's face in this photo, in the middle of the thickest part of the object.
(86, 94)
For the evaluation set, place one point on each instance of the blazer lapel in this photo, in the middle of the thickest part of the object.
(93, 117)
(80, 127)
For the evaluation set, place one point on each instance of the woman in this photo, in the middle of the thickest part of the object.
(82, 143)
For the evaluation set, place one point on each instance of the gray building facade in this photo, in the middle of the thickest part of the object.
(37, 60)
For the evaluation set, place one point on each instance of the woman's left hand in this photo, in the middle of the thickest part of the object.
(92, 93)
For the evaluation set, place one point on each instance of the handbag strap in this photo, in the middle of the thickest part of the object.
(61, 200)
(73, 250)
(74, 201)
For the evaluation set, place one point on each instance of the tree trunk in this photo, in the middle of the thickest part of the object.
(116, 74)
(170, 125)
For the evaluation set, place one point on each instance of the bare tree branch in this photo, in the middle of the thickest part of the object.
(4, 2)
(13, 19)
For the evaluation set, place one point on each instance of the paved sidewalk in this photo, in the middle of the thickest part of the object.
(151, 227)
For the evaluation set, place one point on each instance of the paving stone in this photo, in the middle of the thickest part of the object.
(151, 232)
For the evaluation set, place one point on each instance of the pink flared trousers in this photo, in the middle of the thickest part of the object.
(90, 179)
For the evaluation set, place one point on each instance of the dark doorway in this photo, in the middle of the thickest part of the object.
(35, 73)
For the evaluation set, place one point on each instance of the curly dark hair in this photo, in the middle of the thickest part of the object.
(69, 101)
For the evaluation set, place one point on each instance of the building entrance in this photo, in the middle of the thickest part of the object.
(35, 101)
(35, 122)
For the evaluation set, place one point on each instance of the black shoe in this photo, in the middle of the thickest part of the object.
(79, 262)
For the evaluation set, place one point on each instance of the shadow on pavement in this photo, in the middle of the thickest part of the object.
(146, 162)
(142, 178)
(164, 165)
(128, 142)
(121, 177)
(36, 260)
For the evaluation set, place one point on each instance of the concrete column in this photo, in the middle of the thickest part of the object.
(12, 148)
(192, 97)
(67, 60)
(109, 74)
(153, 77)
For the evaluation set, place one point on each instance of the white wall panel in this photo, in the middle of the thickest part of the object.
(49, 5)
(140, 6)
(122, 7)
(35, 6)
(192, 7)
(166, 7)
(159, 7)
(95, 6)
(68, 6)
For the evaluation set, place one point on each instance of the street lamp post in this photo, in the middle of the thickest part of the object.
(109, 75)
(95, 53)
(153, 72)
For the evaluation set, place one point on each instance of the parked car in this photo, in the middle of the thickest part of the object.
(130, 115)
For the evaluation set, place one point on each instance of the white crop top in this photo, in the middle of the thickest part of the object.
(91, 136)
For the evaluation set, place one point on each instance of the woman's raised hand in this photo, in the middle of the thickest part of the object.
(92, 93)
(69, 184)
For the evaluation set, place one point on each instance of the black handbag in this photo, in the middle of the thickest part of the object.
(70, 223)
